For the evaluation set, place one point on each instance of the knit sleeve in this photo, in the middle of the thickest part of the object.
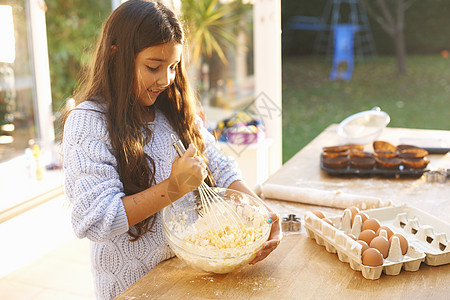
(223, 167)
(92, 182)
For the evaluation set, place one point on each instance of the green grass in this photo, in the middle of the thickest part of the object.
(311, 102)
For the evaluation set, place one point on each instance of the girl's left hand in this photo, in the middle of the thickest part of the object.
(274, 238)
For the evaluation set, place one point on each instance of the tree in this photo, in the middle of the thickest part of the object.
(391, 17)
(212, 29)
(209, 25)
(72, 28)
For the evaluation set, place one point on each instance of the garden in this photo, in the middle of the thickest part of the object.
(418, 99)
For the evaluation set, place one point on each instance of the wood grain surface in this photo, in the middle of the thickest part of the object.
(298, 269)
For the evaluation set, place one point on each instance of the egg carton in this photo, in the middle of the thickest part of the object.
(422, 230)
(426, 235)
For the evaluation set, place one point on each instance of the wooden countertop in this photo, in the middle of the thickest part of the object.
(300, 268)
(297, 269)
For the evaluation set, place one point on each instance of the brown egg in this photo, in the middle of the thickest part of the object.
(354, 210)
(381, 244)
(403, 242)
(371, 223)
(364, 245)
(319, 214)
(352, 236)
(388, 231)
(372, 257)
(328, 221)
(364, 217)
(367, 236)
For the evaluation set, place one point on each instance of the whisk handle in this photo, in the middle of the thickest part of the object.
(178, 145)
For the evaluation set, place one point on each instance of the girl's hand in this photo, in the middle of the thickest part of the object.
(187, 174)
(274, 238)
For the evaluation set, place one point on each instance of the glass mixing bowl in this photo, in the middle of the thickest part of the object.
(182, 220)
(364, 127)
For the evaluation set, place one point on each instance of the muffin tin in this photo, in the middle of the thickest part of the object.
(426, 235)
(386, 160)
(347, 170)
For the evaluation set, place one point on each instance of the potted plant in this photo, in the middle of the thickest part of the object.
(212, 28)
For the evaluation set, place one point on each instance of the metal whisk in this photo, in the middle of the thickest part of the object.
(214, 207)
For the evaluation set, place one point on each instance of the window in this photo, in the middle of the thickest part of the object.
(17, 121)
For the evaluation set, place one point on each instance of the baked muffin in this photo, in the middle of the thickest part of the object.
(412, 152)
(333, 154)
(405, 146)
(358, 153)
(362, 162)
(355, 146)
(342, 148)
(382, 146)
(415, 163)
(385, 154)
(388, 163)
(339, 162)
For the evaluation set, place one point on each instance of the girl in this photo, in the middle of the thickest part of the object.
(117, 146)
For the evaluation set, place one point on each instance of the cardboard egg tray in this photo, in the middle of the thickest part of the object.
(426, 235)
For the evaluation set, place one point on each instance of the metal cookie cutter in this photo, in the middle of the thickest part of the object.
(290, 224)
(440, 176)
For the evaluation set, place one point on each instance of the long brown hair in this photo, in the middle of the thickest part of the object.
(132, 27)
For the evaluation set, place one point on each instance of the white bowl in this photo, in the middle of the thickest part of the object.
(181, 220)
(363, 127)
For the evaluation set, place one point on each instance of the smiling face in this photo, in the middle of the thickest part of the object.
(155, 71)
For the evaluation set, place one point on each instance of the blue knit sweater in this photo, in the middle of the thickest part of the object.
(93, 186)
